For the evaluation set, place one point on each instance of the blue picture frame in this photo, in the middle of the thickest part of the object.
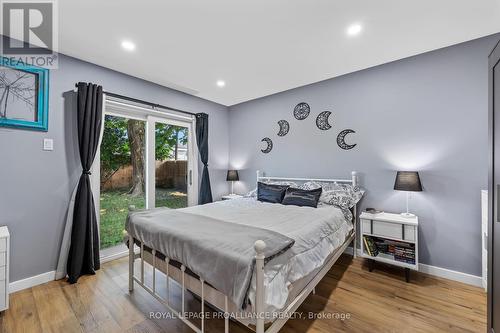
(41, 97)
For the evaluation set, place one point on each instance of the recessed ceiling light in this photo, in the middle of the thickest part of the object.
(354, 29)
(128, 45)
(221, 83)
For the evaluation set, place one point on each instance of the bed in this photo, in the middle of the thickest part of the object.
(300, 246)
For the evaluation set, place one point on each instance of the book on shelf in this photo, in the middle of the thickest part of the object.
(405, 260)
(370, 246)
(367, 248)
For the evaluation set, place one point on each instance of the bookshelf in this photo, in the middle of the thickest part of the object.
(391, 239)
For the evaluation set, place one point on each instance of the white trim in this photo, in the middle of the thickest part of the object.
(32, 281)
(451, 275)
(445, 273)
(114, 256)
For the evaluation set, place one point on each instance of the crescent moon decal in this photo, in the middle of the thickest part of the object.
(341, 139)
(322, 121)
(301, 111)
(284, 127)
(269, 147)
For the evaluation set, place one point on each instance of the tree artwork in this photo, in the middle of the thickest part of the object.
(17, 94)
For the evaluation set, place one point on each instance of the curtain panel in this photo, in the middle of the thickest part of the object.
(83, 256)
(205, 195)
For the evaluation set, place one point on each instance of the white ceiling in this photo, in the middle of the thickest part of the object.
(261, 47)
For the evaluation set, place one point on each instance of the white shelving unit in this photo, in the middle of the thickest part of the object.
(4, 268)
(393, 227)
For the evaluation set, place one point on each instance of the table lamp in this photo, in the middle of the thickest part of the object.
(232, 176)
(408, 181)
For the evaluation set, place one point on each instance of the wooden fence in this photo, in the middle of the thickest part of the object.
(169, 174)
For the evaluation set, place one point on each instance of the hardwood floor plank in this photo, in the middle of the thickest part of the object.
(54, 311)
(22, 315)
(378, 301)
(89, 308)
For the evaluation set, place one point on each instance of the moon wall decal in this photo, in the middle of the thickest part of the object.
(284, 127)
(341, 139)
(301, 111)
(269, 147)
(322, 121)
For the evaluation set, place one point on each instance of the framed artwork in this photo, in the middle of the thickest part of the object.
(24, 95)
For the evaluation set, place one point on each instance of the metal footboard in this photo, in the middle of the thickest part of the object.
(181, 314)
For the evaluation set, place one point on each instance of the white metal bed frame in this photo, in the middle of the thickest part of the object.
(200, 288)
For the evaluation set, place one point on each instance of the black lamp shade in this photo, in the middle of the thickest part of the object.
(232, 175)
(408, 181)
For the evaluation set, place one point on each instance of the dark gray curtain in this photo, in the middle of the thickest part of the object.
(205, 195)
(83, 255)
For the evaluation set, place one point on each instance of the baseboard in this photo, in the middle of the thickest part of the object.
(51, 276)
(473, 280)
(442, 272)
(32, 281)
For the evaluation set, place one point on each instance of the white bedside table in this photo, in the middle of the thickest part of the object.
(398, 237)
(231, 196)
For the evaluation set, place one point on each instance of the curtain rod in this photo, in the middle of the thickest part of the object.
(140, 101)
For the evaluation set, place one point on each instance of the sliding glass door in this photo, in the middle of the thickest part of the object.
(147, 160)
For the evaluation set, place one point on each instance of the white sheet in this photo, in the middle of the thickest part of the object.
(317, 233)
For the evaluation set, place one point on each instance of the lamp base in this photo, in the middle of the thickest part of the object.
(407, 215)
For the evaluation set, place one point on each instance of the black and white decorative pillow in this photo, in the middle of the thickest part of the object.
(341, 195)
(310, 186)
(344, 196)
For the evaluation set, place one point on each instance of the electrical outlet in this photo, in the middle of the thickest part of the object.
(48, 144)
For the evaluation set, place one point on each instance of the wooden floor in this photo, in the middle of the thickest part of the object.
(379, 301)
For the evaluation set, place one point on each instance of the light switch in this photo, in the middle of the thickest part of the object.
(48, 144)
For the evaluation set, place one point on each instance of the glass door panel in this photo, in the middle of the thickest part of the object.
(170, 163)
(171, 166)
(122, 178)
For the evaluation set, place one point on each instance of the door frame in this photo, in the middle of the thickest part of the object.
(116, 107)
(493, 200)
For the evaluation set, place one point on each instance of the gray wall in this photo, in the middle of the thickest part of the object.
(425, 113)
(35, 185)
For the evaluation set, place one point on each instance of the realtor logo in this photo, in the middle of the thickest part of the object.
(31, 26)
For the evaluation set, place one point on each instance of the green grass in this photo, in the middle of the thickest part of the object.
(114, 210)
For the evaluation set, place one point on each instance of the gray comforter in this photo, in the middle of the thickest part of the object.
(222, 253)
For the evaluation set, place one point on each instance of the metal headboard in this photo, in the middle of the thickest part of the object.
(353, 180)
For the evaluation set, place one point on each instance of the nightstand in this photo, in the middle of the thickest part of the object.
(391, 239)
(231, 196)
